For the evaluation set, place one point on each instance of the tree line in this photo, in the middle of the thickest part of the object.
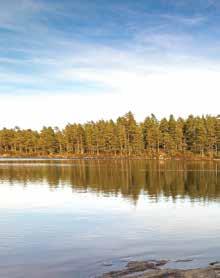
(124, 137)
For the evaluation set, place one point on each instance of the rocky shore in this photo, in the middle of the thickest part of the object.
(156, 269)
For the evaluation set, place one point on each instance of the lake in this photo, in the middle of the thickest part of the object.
(75, 218)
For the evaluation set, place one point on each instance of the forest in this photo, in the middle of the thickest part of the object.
(165, 138)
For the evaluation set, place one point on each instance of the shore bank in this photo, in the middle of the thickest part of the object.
(157, 269)
(118, 157)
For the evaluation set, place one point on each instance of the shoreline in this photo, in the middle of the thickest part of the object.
(57, 157)
(158, 269)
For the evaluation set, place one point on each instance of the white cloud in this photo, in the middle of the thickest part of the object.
(180, 93)
(186, 20)
(150, 71)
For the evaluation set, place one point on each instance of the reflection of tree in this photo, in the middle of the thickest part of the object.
(128, 178)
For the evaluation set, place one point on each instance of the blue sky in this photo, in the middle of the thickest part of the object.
(98, 59)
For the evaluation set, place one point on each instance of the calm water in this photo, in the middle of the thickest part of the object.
(70, 219)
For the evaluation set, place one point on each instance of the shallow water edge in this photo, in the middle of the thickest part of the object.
(157, 268)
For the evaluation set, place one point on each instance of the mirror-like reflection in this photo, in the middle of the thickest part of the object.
(77, 218)
(129, 178)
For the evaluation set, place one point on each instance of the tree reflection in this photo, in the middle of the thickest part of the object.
(128, 178)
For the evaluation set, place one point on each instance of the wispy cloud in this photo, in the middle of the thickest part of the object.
(190, 21)
(119, 51)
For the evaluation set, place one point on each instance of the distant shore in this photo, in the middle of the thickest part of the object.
(117, 157)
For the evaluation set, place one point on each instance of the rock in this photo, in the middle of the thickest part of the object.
(150, 269)
(141, 266)
(151, 264)
(214, 263)
(169, 273)
(135, 267)
(161, 262)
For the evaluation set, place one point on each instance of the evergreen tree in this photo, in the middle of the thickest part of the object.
(194, 135)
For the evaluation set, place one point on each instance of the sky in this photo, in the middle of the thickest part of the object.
(76, 61)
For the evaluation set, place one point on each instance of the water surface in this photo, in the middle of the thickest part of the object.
(70, 219)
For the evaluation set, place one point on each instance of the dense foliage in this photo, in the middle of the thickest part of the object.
(166, 137)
